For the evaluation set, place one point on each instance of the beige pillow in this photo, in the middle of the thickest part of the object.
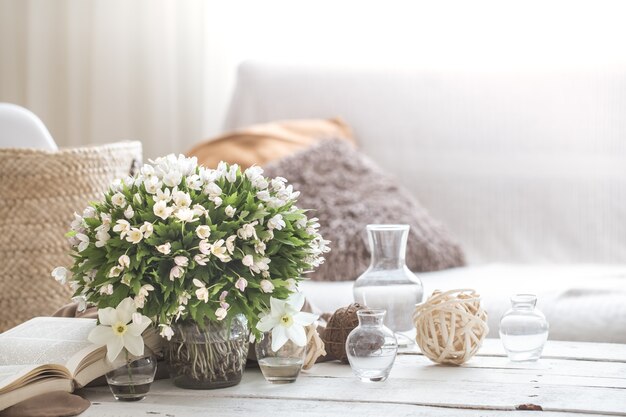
(263, 143)
(39, 192)
(348, 191)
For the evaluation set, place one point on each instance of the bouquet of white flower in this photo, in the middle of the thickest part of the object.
(187, 242)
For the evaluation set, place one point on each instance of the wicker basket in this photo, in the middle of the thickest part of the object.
(39, 192)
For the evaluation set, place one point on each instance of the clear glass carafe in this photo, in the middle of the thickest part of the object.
(371, 347)
(388, 283)
(523, 329)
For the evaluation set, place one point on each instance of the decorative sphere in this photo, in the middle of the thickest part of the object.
(450, 326)
(339, 326)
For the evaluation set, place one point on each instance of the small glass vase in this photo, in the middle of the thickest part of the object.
(282, 366)
(371, 347)
(388, 284)
(132, 377)
(523, 329)
(208, 356)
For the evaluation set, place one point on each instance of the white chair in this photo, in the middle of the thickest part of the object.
(21, 128)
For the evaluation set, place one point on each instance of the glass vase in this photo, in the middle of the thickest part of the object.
(523, 329)
(388, 284)
(132, 377)
(371, 347)
(282, 366)
(208, 356)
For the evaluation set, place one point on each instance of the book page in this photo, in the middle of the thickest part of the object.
(45, 340)
(9, 373)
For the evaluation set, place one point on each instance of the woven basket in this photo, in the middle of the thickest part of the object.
(39, 192)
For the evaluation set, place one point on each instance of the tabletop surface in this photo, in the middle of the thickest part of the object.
(571, 378)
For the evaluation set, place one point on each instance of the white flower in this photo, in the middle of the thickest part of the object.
(259, 247)
(82, 302)
(176, 272)
(200, 259)
(248, 260)
(129, 212)
(219, 251)
(213, 190)
(134, 235)
(185, 214)
(184, 298)
(230, 244)
(230, 211)
(152, 185)
(60, 274)
(161, 210)
(267, 286)
(165, 248)
(106, 289)
(181, 260)
(137, 199)
(102, 237)
(140, 298)
(217, 201)
(231, 176)
(172, 178)
(166, 331)
(260, 265)
(115, 271)
(263, 195)
(126, 279)
(83, 241)
(260, 183)
(203, 231)
(276, 222)
(106, 219)
(278, 183)
(286, 321)
(202, 293)
(124, 261)
(147, 229)
(221, 313)
(247, 231)
(204, 247)
(241, 284)
(200, 211)
(122, 227)
(223, 302)
(181, 199)
(253, 172)
(119, 329)
(162, 195)
(89, 212)
(118, 200)
(194, 182)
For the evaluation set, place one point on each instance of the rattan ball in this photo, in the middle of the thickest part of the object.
(450, 326)
(339, 326)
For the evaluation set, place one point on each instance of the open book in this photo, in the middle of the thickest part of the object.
(49, 354)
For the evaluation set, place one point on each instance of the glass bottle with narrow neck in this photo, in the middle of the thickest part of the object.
(388, 283)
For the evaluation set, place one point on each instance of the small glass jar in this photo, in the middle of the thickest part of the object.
(371, 347)
(282, 366)
(132, 377)
(523, 329)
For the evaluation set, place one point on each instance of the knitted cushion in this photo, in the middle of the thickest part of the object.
(39, 192)
(349, 191)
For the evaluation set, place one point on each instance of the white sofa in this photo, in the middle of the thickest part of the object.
(528, 170)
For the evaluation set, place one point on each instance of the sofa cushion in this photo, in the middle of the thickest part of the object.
(347, 191)
(262, 143)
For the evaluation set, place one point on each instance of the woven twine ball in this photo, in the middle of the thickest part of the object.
(450, 326)
(339, 326)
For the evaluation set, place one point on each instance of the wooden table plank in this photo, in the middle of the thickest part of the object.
(163, 404)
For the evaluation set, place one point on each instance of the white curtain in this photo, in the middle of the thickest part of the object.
(107, 70)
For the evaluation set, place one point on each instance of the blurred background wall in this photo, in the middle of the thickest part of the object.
(162, 71)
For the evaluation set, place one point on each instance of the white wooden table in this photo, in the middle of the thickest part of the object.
(574, 379)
